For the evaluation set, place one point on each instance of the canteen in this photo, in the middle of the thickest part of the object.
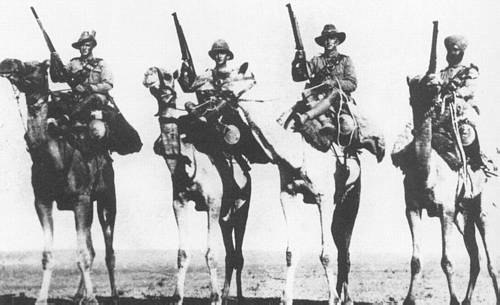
(97, 129)
(231, 134)
(346, 124)
(467, 134)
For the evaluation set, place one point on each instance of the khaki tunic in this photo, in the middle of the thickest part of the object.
(100, 79)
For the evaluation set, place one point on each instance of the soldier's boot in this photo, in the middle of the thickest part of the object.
(371, 144)
(374, 147)
(479, 160)
(299, 120)
(327, 128)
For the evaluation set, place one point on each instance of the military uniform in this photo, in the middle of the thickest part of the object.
(219, 90)
(458, 86)
(337, 71)
(457, 100)
(93, 75)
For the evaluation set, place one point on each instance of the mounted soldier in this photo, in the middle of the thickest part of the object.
(456, 128)
(458, 83)
(332, 78)
(218, 91)
(91, 80)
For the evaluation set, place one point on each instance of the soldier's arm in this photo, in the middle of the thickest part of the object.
(349, 82)
(467, 91)
(106, 82)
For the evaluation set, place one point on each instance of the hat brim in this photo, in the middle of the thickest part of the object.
(79, 43)
(321, 39)
(212, 53)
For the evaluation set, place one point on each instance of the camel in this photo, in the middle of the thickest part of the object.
(330, 176)
(332, 181)
(68, 175)
(217, 186)
(430, 184)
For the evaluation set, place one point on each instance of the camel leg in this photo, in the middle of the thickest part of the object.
(472, 248)
(239, 234)
(292, 252)
(326, 219)
(344, 218)
(83, 221)
(234, 248)
(181, 214)
(227, 236)
(106, 211)
(447, 229)
(213, 218)
(414, 218)
(44, 212)
(489, 238)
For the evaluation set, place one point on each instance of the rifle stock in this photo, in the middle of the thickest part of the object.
(295, 28)
(300, 69)
(433, 56)
(186, 55)
(57, 70)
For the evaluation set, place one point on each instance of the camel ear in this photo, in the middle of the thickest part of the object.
(243, 68)
(176, 74)
(46, 64)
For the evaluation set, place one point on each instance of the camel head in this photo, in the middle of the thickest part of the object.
(423, 91)
(161, 84)
(29, 77)
(155, 77)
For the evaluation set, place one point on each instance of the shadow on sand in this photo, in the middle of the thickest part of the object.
(22, 300)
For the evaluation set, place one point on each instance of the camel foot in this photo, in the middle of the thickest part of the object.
(347, 302)
(115, 300)
(241, 300)
(454, 301)
(466, 302)
(410, 301)
(285, 300)
(41, 302)
(334, 301)
(77, 298)
(89, 300)
(215, 298)
(176, 300)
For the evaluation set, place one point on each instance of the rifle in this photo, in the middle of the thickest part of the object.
(298, 63)
(190, 73)
(57, 70)
(433, 56)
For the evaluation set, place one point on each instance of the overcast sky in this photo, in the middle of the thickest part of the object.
(387, 40)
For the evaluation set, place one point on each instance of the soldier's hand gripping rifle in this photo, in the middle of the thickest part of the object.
(188, 73)
(300, 69)
(57, 71)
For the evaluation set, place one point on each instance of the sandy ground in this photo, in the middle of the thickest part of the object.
(147, 277)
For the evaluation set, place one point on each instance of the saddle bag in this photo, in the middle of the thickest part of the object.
(123, 138)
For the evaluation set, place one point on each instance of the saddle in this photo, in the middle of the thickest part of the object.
(338, 117)
(121, 137)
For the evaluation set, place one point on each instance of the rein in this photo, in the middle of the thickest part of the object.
(17, 95)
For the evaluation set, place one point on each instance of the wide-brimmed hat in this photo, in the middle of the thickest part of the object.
(329, 30)
(218, 46)
(85, 37)
(455, 42)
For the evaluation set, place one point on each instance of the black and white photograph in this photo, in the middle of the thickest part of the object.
(249, 152)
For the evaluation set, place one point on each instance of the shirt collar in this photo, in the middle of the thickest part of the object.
(331, 54)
